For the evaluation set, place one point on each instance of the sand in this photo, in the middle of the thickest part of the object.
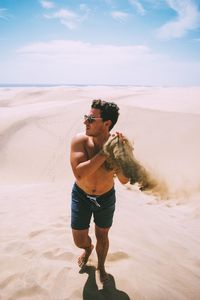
(155, 238)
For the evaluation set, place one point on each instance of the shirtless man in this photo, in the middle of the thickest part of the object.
(93, 192)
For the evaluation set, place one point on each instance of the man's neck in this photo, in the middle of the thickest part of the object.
(100, 140)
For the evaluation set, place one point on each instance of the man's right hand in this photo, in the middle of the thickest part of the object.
(107, 147)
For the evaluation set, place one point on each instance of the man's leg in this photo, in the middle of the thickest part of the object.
(82, 240)
(102, 250)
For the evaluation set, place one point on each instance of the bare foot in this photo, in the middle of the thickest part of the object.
(104, 276)
(82, 260)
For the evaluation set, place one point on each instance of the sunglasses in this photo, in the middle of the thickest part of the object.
(90, 119)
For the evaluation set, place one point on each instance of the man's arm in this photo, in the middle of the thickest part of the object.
(119, 138)
(121, 177)
(81, 165)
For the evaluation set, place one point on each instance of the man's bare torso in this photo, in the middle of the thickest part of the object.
(101, 181)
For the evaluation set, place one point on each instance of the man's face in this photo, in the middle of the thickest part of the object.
(93, 122)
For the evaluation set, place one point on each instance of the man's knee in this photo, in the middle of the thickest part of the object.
(101, 233)
(81, 238)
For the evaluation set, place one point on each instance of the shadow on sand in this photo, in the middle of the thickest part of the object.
(108, 292)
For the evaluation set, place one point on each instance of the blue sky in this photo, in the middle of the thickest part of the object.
(137, 42)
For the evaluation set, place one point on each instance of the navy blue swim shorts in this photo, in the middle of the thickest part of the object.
(83, 206)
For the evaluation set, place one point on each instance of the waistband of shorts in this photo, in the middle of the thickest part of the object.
(107, 194)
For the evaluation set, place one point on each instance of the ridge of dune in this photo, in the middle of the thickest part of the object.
(177, 99)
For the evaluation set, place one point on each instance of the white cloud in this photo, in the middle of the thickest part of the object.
(139, 7)
(47, 4)
(67, 17)
(73, 62)
(119, 15)
(69, 61)
(80, 50)
(3, 13)
(188, 18)
(70, 18)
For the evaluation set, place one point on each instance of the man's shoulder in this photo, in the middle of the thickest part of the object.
(80, 137)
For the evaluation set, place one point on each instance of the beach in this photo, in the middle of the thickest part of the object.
(155, 237)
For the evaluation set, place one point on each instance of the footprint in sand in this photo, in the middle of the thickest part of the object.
(58, 225)
(14, 246)
(30, 253)
(10, 279)
(33, 291)
(117, 256)
(60, 256)
(35, 233)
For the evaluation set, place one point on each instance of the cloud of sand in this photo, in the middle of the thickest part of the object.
(167, 145)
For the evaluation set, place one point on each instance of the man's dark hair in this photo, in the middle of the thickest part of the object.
(109, 110)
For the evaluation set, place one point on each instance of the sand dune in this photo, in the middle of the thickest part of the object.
(154, 242)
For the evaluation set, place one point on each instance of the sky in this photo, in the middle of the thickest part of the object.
(113, 42)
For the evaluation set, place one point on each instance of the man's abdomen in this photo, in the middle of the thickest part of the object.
(97, 183)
